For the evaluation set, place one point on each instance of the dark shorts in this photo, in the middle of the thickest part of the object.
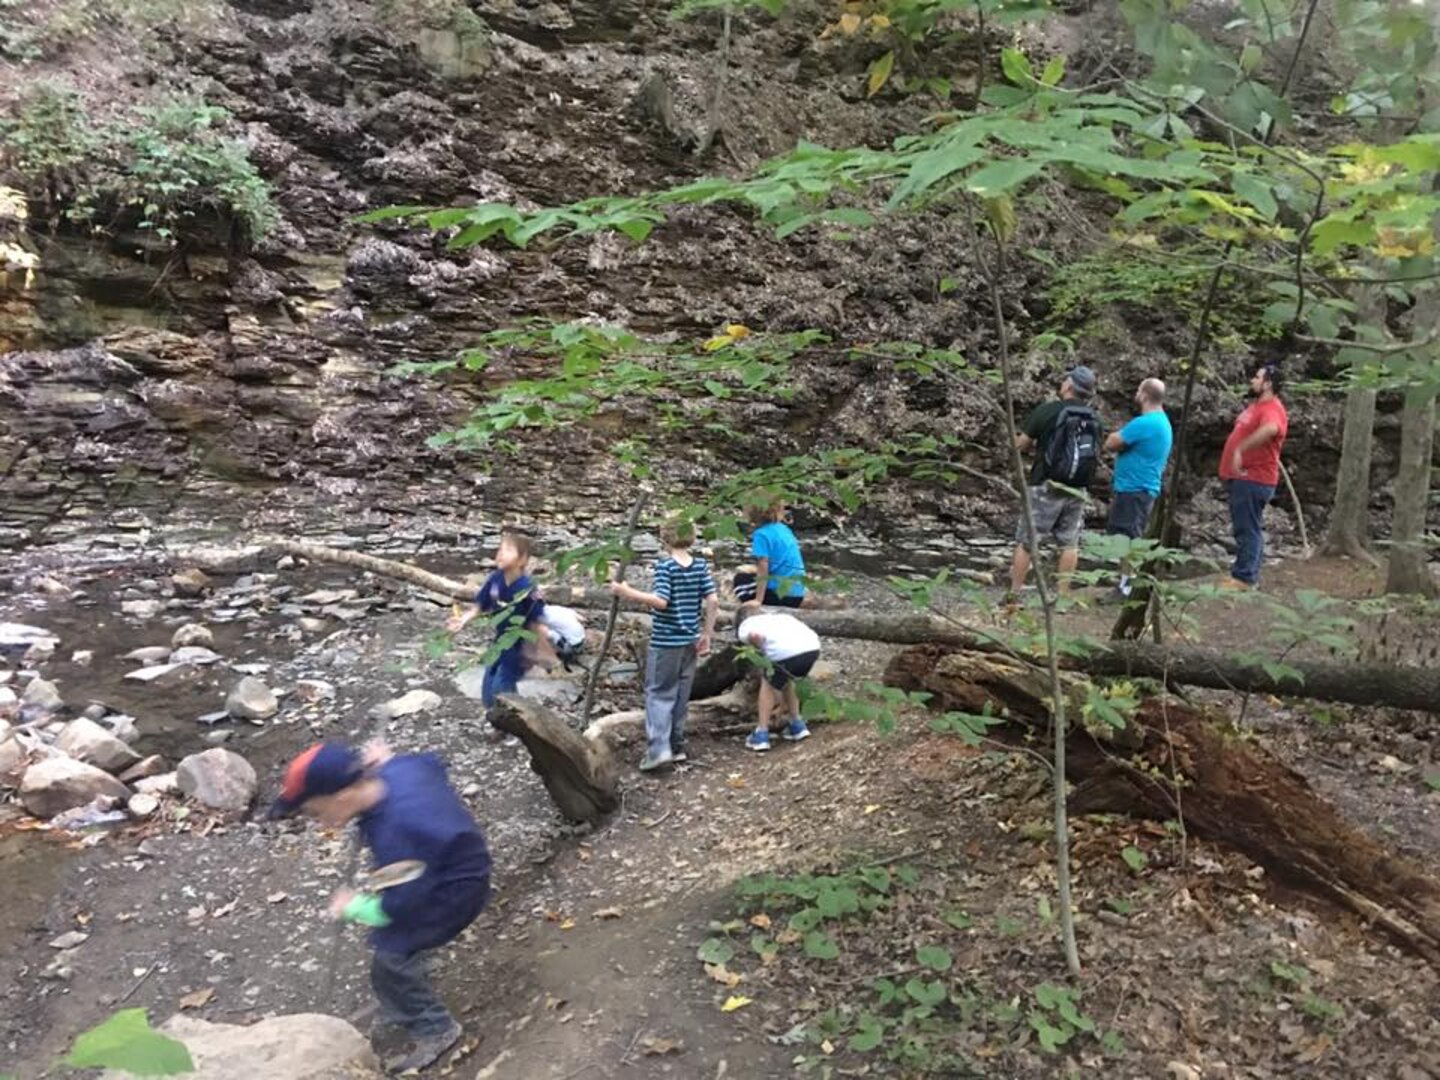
(1130, 513)
(792, 667)
(774, 599)
(1056, 514)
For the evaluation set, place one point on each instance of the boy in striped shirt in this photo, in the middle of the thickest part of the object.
(683, 588)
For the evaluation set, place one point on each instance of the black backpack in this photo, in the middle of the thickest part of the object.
(1072, 450)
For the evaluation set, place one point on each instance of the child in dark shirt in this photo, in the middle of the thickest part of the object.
(509, 592)
(405, 810)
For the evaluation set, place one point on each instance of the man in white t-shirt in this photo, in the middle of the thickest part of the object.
(790, 649)
(565, 631)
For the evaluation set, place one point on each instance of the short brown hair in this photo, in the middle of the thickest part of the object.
(518, 540)
(767, 507)
(677, 532)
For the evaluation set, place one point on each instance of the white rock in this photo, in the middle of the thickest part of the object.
(306, 1046)
(192, 634)
(471, 682)
(141, 609)
(312, 625)
(154, 765)
(416, 701)
(312, 690)
(58, 784)
(43, 695)
(154, 672)
(142, 805)
(221, 779)
(21, 636)
(194, 654)
(70, 939)
(224, 560)
(149, 654)
(163, 784)
(14, 757)
(9, 703)
(87, 741)
(251, 700)
(82, 657)
(122, 727)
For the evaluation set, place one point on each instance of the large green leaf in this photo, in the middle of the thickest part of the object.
(126, 1041)
(935, 165)
(1002, 177)
(1257, 193)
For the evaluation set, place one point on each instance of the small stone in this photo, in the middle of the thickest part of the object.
(218, 778)
(18, 636)
(13, 759)
(82, 657)
(190, 582)
(69, 940)
(194, 654)
(122, 727)
(9, 703)
(141, 805)
(213, 717)
(96, 710)
(85, 740)
(141, 609)
(312, 690)
(251, 700)
(144, 769)
(285, 562)
(42, 694)
(155, 672)
(312, 625)
(416, 701)
(215, 738)
(57, 784)
(192, 634)
(150, 654)
(52, 587)
(161, 784)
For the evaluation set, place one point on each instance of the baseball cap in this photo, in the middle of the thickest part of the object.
(1083, 380)
(323, 769)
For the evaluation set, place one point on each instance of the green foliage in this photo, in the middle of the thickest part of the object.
(1134, 858)
(161, 166)
(126, 1042)
(32, 30)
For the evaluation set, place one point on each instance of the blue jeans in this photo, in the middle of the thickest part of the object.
(402, 986)
(1247, 507)
(503, 676)
(669, 674)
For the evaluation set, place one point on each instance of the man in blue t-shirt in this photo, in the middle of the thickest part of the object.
(1142, 447)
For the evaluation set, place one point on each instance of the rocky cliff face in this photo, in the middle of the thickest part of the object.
(272, 367)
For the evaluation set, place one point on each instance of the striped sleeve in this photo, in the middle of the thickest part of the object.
(707, 580)
(664, 580)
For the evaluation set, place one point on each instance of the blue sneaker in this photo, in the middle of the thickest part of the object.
(758, 740)
(795, 731)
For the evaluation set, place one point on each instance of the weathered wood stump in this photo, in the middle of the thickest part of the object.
(1177, 761)
(581, 774)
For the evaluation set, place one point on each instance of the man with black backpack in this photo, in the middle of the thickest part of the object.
(1068, 436)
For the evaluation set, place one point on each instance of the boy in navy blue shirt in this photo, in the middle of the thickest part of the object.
(510, 592)
(405, 809)
(683, 588)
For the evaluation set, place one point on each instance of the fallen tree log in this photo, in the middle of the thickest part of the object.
(580, 774)
(1353, 683)
(1179, 761)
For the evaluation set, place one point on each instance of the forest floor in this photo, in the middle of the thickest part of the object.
(589, 962)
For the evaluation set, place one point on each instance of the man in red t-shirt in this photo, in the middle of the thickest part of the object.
(1250, 467)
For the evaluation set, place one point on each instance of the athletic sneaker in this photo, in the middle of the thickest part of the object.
(758, 740)
(425, 1051)
(655, 761)
(677, 756)
(795, 731)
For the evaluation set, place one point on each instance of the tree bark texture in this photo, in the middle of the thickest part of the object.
(1349, 531)
(1176, 761)
(580, 774)
(1409, 562)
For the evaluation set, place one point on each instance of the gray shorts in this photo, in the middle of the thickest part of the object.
(1056, 514)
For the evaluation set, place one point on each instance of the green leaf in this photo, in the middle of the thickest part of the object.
(869, 1033)
(880, 73)
(1433, 780)
(1051, 1037)
(959, 920)
(1257, 193)
(832, 902)
(877, 877)
(820, 946)
(933, 166)
(934, 957)
(1134, 858)
(1016, 66)
(1054, 71)
(126, 1041)
(1250, 57)
(929, 992)
(1001, 177)
(390, 213)
(715, 951)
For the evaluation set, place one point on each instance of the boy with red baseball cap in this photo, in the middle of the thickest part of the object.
(405, 810)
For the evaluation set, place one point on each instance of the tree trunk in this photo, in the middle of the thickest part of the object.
(1349, 531)
(1177, 761)
(1409, 558)
(1358, 684)
(580, 774)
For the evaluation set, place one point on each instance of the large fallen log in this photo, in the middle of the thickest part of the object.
(580, 774)
(1177, 761)
(1353, 683)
